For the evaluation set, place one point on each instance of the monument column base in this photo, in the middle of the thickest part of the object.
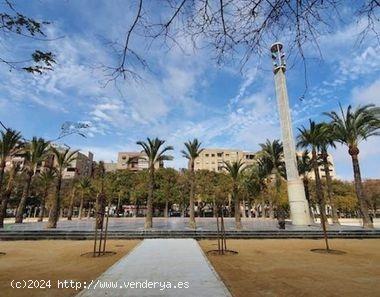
(299, 208)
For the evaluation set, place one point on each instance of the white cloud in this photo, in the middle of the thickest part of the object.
(369, 94)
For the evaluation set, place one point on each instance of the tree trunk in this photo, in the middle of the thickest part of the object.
(192, 223)
(166, 211)
(71, 206)
(89, 211)
(42, 206)
(237, 207)
(118, 206)
(5, 197)
(354, 152)
(244, 215)
(54, 211)
(21, 207)
(2, 169)
(80, 214)
(320, 198)
(271, 211)
(149, 202)
(214, 208)
(305, 181)
(326, 169)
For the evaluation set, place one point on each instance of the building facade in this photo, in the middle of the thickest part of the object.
(321, 169)
(81, 166)
(134, 161)
(213, 158)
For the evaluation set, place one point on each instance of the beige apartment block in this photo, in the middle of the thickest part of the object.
(321, 169)
(134, 161)
(81, 166)
(213, 159)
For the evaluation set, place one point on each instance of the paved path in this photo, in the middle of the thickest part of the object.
(162, 261)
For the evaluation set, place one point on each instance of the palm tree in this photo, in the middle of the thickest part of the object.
(304, 168)
(84, 186)
(350, 128)
(235, 170)
(10, 144)
(35, 152)
(328, 141)
(63, 158)
(5, 195)
(311, 138)
(193, 150)
(155, 154)
(272, 155)
(46, 179)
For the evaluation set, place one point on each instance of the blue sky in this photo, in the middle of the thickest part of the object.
(185, 95)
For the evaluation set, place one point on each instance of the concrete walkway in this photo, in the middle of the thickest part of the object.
(170, 267)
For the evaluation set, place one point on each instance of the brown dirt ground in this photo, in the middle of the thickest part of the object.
(288, 268)
(54, 260)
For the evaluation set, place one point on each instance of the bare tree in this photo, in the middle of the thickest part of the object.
(13, 22)
(240, 29)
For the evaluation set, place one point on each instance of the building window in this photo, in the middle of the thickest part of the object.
(227, 155)
(212, 155)
(124, 157)
(206, 155)
(219, 154)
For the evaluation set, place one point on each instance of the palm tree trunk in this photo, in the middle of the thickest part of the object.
(271, 211)
(42, 207)
(192, 223)
(118, 205)
(149, 202)
(214, 208)
(250, 208)
(326, 169)
(166, 211)
(80, 214)
(305, 181)
(354, 152)
(71, 206)
(237, 207)
(54, 211)
(244, 215)
(2, 169)
(89, 210)
(320, 198)
(5, 198)
(21, 207)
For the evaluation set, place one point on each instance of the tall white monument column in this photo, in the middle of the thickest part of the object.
(299, 208)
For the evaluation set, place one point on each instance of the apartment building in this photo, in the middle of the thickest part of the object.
(134, 161)
(213, 158)
(321, 169)
(81, 166)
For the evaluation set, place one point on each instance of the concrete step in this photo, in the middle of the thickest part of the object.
(141, 234)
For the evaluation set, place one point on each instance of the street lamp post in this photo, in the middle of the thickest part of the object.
(299, 209)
